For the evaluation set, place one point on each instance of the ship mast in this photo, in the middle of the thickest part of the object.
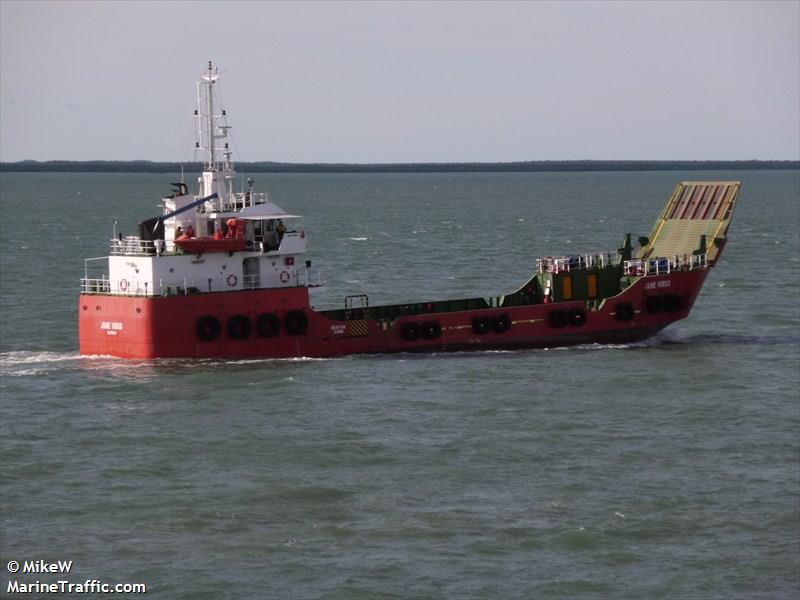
(217, 175)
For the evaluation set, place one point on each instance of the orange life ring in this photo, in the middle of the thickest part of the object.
(284, 276)
(123, 284)
(232, 280)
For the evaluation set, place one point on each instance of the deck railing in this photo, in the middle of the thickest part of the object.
(577, 262)
(133, 245)
(95, 286)
(238, 201)
(186, 286)
(664, 265)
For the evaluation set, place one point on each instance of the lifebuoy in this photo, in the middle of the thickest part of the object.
(239, 327)
(410, 331)
(480, 325)
(501, 323)
(232, 280)
(624, 312)
(268, 325)
(296, 322)
(577, 317)
(208, 328)
(284, 276)
(673, 303)
(654, 304)
(558, 318)
(431, 330)
(123, 284)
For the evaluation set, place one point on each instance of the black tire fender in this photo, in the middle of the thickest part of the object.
(431, 330)
(480, 325)
(654, 304)
(624, 312)
(577, 317)
(268, 325)
(410, 331)
(501, 323)
(295, 322)
(558, 318)
(239, 327)
(208, 328)
(673, 303)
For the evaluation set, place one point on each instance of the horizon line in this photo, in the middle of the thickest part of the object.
(55, 165)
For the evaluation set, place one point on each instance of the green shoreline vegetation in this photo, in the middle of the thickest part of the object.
(145, 166)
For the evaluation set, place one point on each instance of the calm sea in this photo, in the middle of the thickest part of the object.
(668, 469)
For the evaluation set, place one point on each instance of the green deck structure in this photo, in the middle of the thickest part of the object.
(691, 230)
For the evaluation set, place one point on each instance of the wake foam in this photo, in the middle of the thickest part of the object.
(28, 362)
(724, 339)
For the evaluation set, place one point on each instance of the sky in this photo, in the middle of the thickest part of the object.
(377, 82)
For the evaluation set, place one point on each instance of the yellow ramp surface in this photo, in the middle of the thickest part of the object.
(696, 208)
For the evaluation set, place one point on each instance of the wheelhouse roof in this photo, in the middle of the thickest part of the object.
(258, 212)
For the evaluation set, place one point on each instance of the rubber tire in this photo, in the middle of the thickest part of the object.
(431, 330)
(501, 323)
(654, 304)
(480, 325)
(624, 312)
(239, 327)
(296, 322)
(558, 318)
(673, 303)
(208, 328)
(577, 317)
(410, 331)
(268, 325)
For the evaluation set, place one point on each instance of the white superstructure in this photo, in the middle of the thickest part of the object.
(215, 240)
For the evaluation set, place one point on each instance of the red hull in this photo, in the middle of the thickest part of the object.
(160, 327)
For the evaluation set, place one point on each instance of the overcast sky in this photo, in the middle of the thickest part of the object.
(404, 81)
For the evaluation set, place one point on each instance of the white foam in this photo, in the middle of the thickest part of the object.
(25, 363)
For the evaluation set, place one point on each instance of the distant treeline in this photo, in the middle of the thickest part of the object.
(145, 166)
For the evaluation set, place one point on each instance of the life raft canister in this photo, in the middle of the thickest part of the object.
(208, 328)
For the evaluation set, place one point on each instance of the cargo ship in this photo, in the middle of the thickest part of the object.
(221, 273)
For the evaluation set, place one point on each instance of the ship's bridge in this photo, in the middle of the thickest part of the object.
(259, 246)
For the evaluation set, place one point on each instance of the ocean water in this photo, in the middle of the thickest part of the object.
(666, 469)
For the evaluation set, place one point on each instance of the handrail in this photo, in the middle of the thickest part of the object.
(95, 286)
(241, 200)
(663, 265)
(133, 245)
(577, 262)
(184, 286)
